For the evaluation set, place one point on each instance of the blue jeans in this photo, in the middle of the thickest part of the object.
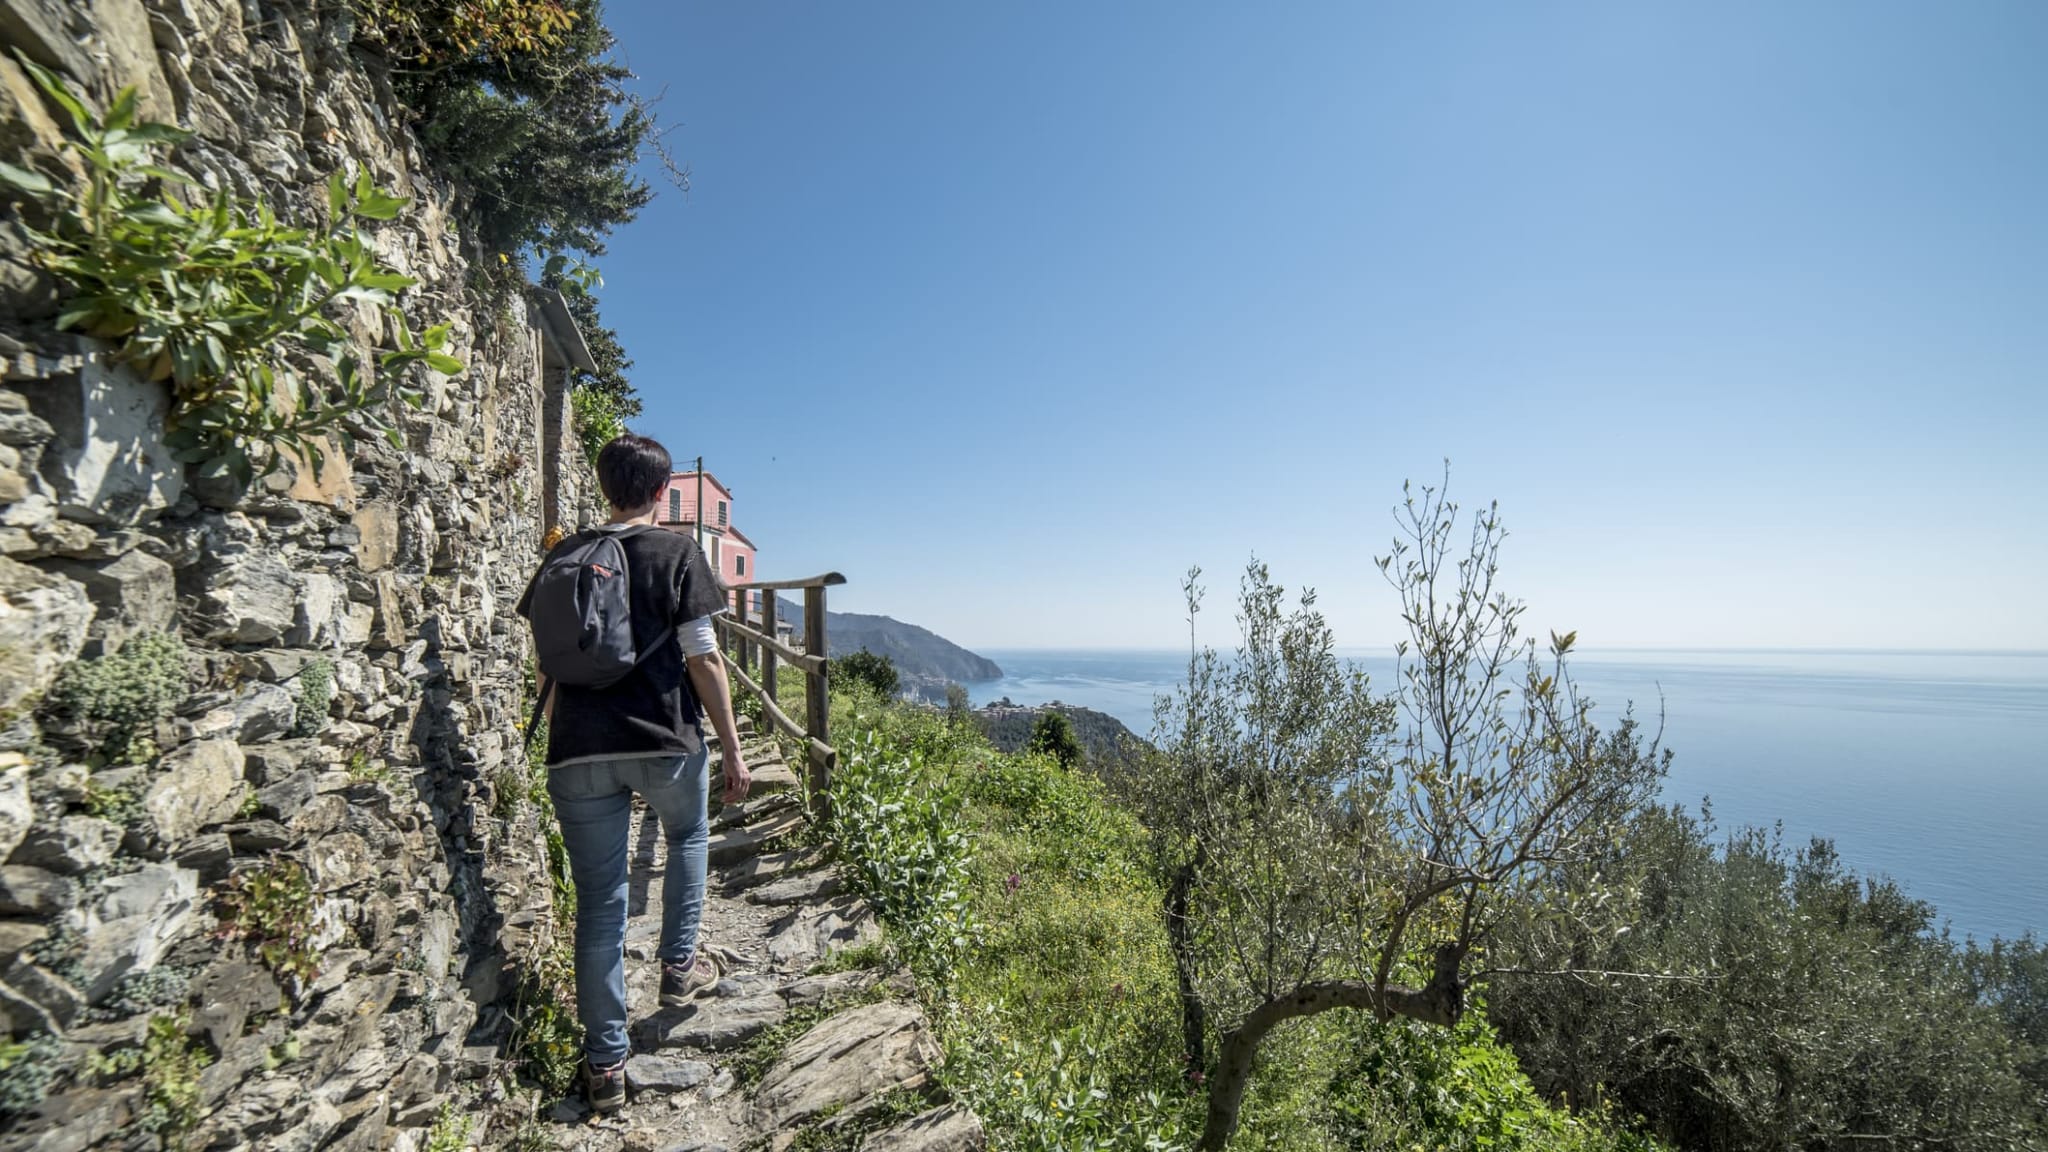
(594, 802)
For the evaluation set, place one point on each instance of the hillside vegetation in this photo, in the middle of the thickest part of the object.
(1297, 924)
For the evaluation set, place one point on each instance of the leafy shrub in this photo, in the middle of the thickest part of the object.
(316, 694)
(1053, 735)
(904, 849)
(1060, 1096)
(598, 420)
(110, 706)
(525, 111)
(170, 1063)
(438, 33)
(222, 299)
(546, 1038)
(273, 908)
(872, 669)
(1833, 1013)
(450, 1132)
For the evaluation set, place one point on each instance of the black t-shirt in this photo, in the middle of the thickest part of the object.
(654, 710)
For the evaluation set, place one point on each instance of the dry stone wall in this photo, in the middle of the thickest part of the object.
(351, 677)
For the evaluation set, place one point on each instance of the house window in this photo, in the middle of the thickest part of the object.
(739, 565)
(721, 513)
(675, 505)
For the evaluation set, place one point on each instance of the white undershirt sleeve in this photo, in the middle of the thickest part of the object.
(697, 637)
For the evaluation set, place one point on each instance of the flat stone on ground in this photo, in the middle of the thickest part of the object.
(846, 1064)
(762, 869)
(772, 778)
(717, 1025)
(806, 888)
(808, 935)
(952, 1128)
(649, 1073)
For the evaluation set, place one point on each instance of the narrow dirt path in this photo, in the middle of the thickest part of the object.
(791, 1040)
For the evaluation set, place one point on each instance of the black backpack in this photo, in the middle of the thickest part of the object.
(582, 614)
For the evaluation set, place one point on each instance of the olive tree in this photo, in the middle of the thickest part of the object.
(1324, 847)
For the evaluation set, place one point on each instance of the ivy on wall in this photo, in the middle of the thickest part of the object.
(238, 311)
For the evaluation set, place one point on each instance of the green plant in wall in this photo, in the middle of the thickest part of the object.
(111, 705)
(598, 419)
(170, 1063)
(237, 310)
(316, 693)
(272, 907)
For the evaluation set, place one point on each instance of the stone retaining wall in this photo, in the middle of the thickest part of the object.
(390, 578)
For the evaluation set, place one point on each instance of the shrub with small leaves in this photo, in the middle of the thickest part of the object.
(316, 693)
(238, 311)
(27, 1068)
(108, 707)
(876, 671)
(273, 909)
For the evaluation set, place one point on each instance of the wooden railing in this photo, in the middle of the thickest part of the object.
(766, 651)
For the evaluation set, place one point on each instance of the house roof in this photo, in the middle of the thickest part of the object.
(741, 535)
(675, 476)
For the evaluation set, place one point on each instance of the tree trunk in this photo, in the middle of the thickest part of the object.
(1442, 1002)
(1194, 1022)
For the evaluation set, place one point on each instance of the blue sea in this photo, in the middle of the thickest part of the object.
(1929, 767)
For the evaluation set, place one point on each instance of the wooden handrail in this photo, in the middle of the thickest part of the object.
(816, 747)
(802, 660)
(827, 580)
(744, 644)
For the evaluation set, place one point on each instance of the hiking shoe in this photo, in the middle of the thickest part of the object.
(604, 1087)
(682, 983)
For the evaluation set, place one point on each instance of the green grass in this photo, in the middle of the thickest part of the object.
(1060, 1018)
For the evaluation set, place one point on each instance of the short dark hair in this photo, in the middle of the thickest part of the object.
(631, 470)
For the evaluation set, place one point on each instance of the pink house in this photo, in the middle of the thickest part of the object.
(730, 552)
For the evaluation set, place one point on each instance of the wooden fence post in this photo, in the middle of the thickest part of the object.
(739, 614)
(818, 701)
(768, 658)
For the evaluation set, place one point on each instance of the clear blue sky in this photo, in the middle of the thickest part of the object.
(1011, 312)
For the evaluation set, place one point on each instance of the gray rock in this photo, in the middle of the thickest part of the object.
(323, 607)
(808, 935)
(650, 1073)
(43, 622)
(141, 915)
(28, 891)
(763, 869)
(377, 530)
(49, 991)
(812, 991)
(70, 845)
(253, 600)
(201, 785)
(258, 837)
(806, 888)
(717, 1025)
(16, 813)
(229, 992)
(135, 593)
(108, 463)
(846, 1064)
(953, 1128)
(262, 712)
(21, 1014)
(211, 855)
(736, 844)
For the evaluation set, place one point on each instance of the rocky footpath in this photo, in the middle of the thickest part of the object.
(267, 870)
(796, 1045)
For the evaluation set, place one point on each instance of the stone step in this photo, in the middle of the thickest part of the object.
(752, 810)
(736, 844)
(808, 935)
(759, 870)
(803, 888)
(952, 1128)
(772, 777)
